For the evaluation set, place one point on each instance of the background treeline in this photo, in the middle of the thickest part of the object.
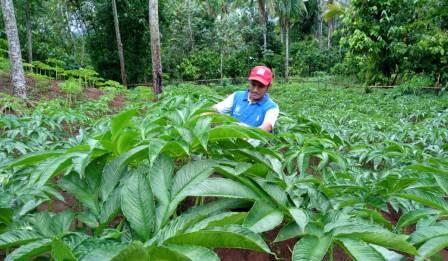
(379, 42)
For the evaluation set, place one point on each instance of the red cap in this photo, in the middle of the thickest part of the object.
(261, 74)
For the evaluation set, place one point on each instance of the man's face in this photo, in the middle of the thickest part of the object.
(257, 90)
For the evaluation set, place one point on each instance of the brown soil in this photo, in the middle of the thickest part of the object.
(93, 93)
(57, 205)
(118, 102)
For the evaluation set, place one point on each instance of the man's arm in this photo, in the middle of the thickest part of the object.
(269, 119)
(225, 106)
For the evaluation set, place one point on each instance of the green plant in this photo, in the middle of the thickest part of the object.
(72, 87)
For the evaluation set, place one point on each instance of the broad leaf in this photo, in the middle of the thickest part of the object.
(61, 251)
(376, 235)
(360, 250)
(26, 252)
(413, 216)
(225, 188)
(194, 253)
(311, 248)
(17, 237)
(233, 236)
(113, 170)
(431, 247)
(134, 251)
(137, 203)
(262, 217)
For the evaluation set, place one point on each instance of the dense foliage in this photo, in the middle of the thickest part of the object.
(343, 169)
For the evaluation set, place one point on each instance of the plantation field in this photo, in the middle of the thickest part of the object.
(115, 175)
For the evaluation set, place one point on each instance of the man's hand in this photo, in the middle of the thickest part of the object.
(266, 126)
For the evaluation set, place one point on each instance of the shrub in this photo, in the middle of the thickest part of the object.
(415, 84)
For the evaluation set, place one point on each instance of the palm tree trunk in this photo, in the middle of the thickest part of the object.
(190, 30)
(320, 21)
(29, 32)
(286, 49)
(263, 22)
(330, 32)
(155, 46)
(119, 44)
(15, 56)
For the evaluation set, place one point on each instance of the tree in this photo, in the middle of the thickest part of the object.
(287, 11)
(332, 11)
(119, 44)
(155, 46)
(263, 22)
(29, 32)
(15, 56)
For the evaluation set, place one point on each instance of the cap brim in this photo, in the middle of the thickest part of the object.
(259, 79)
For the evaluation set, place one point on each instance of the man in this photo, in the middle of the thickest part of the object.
(253, 107)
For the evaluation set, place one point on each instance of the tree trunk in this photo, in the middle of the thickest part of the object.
(155, 46)
(263, 22)
(83, 49)
(286, 49)
(319, 33)
(330, 32)
(190, 30)
(119, 44)
(15, 56)
(221, 68)
(29, 32)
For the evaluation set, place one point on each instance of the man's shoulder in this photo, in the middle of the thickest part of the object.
(270, 104)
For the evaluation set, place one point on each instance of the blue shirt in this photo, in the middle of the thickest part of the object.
(250, 113)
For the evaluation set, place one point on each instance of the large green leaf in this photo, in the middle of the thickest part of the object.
(311, 248)
(262, 217)
(80, 190)
(48, 169)
(193, 217)
(161, 176)
(194, 253)
(162, 253)
(109, 209)
(413, 216)
(121, 121)
(219, 220)
(61, 251)
(113, 171)
(431, 247)
(17, 237)
(425, 198)
(360, 250)
(102, 252)
(428, 169)
(426, 233)
(137, 203)
(227, 132)
(232, 236)
(219, 187)
(155, 146)
(26, 252)
(134, 251)
(33, 158)
(6, 215)
(187, 178)
(376, 235)
(300, 217)
(289, 231)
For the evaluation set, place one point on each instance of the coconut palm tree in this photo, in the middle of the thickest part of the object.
(287, 11)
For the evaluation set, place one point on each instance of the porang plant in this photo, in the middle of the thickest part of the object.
(132, 180)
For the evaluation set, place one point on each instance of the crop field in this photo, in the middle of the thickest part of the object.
(345, 175)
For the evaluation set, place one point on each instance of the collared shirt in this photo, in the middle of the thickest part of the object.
(239, 106)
